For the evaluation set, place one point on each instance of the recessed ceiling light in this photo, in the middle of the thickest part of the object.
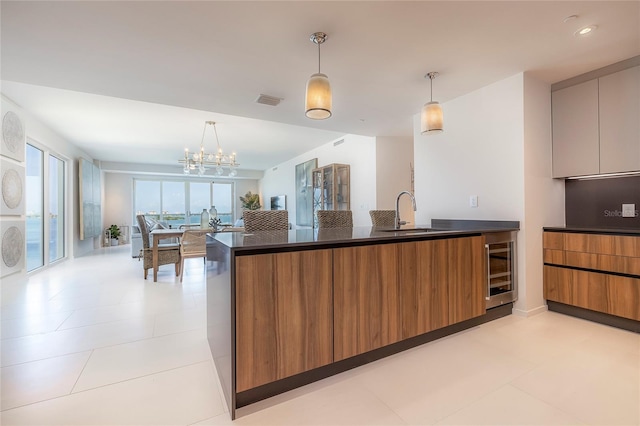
(586, 30)
(570, 18)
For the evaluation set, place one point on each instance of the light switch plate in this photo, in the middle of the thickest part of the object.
(628, 210)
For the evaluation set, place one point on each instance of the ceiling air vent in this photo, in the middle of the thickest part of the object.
(336, 143)
(268, 100)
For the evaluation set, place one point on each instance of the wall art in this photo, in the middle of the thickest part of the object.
(90, 200)
(304, 192)
(12, 186)
(13, 136)
(12, 242)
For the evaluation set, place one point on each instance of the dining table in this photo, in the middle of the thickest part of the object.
(161, 234)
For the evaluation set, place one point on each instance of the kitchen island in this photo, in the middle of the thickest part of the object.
(287, 308)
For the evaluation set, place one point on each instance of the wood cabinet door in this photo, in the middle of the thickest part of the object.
(619, 96)
(576, 140)
(558, 284)
(467, 278)
(366, 299)
(424, 287)
(283, 316)
(624, 296)
(590, 290)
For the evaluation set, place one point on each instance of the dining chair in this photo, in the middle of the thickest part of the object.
(382, 218)
(193, 243)
(335, 219)
(266, 220)
(167, 253)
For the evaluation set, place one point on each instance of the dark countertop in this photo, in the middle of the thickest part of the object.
(601, 231)
(336, 237)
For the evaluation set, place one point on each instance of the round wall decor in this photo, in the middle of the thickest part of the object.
(11, 189)
(12, 131)
(12, 246)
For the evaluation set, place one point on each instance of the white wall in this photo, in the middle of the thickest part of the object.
(45, 137)
(118, 195)
(544, 197)
(496, 145)
(394, 157)
(357, 151)
(479, 153)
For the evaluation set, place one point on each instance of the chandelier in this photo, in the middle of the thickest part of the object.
(201, 160)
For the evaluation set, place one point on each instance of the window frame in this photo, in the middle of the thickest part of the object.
(66, 207)
(187, 196)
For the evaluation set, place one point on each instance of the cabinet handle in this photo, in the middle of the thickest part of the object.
(486, 249)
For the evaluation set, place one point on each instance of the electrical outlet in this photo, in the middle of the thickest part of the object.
(473, 201)
(628, 210)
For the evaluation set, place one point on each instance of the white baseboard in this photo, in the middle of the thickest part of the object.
(531, 312)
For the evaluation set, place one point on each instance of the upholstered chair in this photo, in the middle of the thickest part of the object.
(266, 220)
(335, 219)
(167, 253)
(382, 218)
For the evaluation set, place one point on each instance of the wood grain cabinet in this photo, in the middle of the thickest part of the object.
(387, 293)
(442, 282)
(297, 311)
(591, 271)
(284, 316)
(425, 293)
(366, 299)
(467, 285)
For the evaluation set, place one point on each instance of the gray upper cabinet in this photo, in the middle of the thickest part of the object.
(576, 150)
(620, 121)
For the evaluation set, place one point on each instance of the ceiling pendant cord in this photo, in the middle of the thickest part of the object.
(318, 44)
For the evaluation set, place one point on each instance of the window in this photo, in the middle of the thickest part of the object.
(199, 199)
(177, 202)
(34, 203)
(223, 200)
(44, 195)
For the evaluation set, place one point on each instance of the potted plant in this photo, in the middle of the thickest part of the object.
(114, 234)
(250, 201)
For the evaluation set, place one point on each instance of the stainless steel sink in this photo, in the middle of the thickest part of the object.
(410, 230)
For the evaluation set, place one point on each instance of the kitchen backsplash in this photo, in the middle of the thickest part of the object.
(597, 203)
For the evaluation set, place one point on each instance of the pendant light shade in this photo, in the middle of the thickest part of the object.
(431, 117)
(318, 100)
(318, 95)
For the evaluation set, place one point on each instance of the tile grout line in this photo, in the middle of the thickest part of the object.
(81, 371)
(101, 386)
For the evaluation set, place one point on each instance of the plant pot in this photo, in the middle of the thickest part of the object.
(114, 242)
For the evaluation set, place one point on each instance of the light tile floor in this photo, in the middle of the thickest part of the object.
(91, 342)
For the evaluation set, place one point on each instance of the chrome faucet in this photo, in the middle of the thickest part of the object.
(399, 222)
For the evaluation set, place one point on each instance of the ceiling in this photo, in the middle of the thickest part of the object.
(134, 81)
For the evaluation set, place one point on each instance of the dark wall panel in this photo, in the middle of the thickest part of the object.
(597, 203)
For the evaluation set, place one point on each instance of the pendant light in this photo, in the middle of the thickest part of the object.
(431, 116)
(318, 98)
